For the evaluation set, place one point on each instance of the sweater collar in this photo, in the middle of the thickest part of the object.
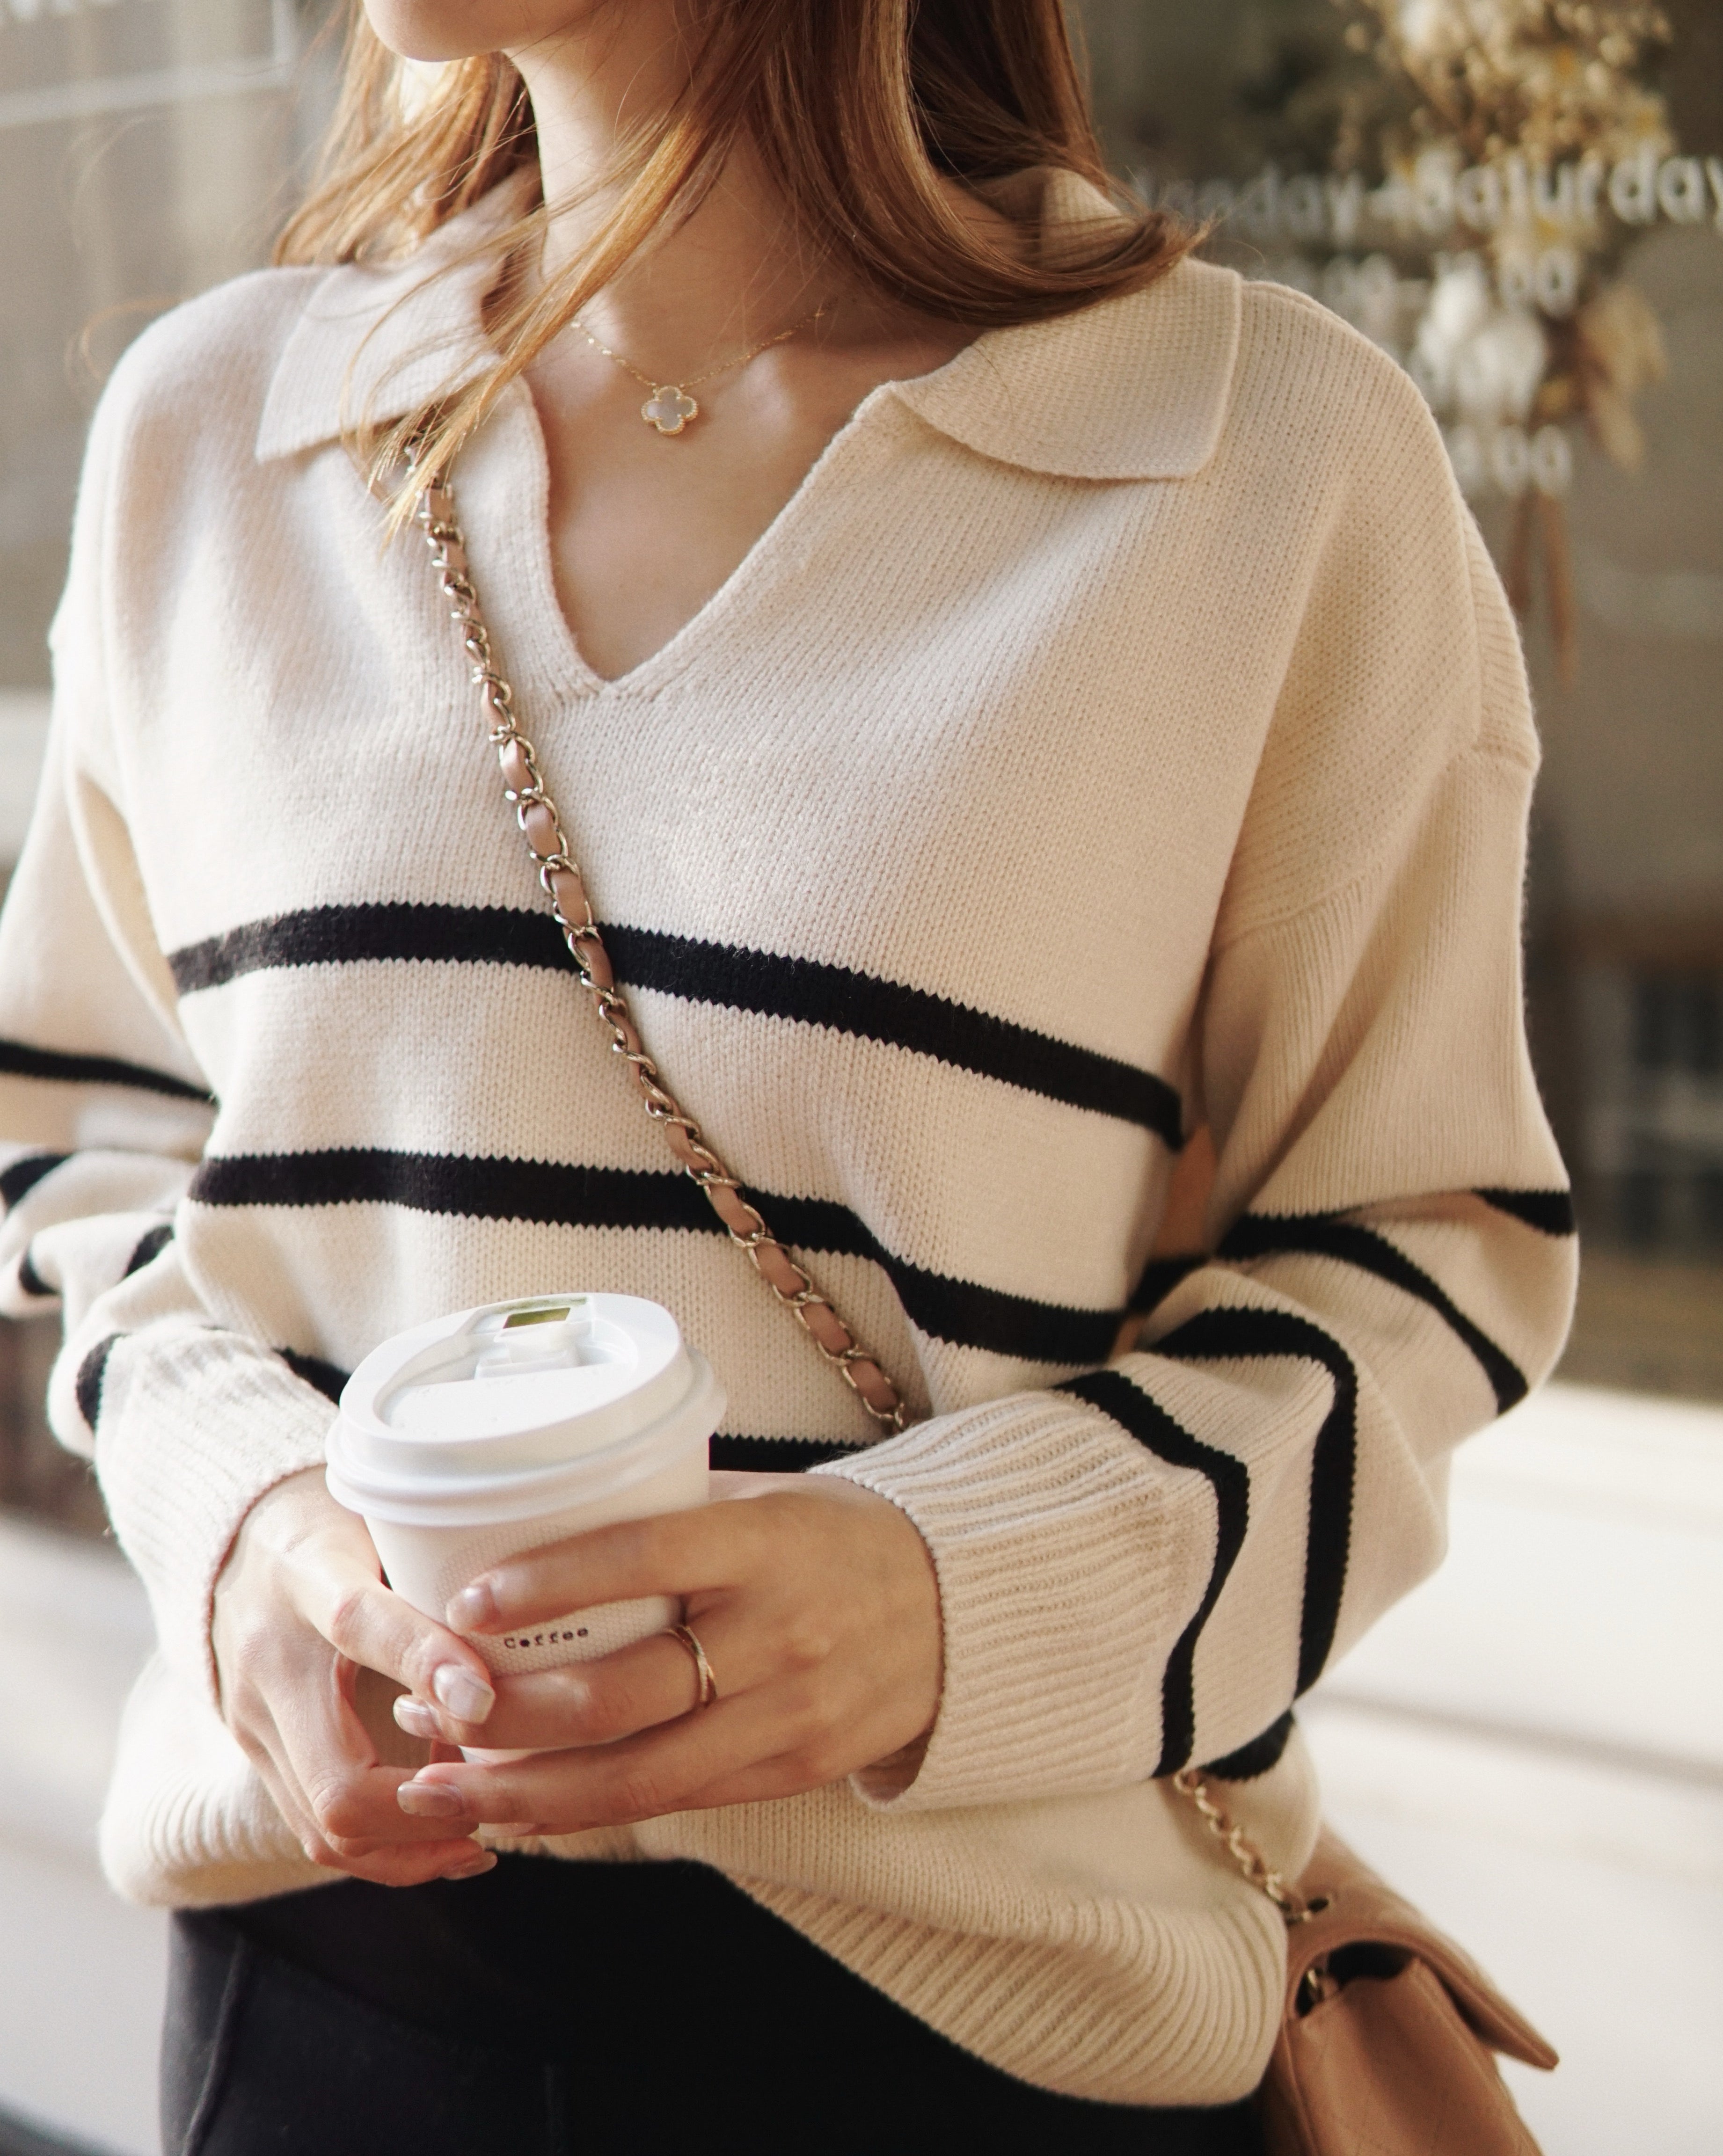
(1135, 388)
(1131, 388)
(381, 341)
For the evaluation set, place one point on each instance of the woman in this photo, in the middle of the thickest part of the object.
(1020, 699)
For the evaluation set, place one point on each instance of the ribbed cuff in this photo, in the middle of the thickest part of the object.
(1068, 1558)
(192, 1427)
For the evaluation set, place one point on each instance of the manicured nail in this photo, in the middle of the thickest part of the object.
(473, 1606)
(468, 1698)
(430, 1800)
(485, 1862)
(416, 1718)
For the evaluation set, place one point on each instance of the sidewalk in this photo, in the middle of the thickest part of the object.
(1531, 1746)
(82, 1975)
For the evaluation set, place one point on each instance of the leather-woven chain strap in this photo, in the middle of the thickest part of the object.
(1189, 1782)
(563, 885)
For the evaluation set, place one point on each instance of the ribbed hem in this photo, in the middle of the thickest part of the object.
(1068, 1559)
(194, 1426)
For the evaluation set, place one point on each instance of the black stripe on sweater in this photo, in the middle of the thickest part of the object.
(20, 1177)
(776, 1455)
(729, 974)
(1160, 1276)
(1258, 1757)
(29, 1280)
(1223, 1335)
(92, 1372)
(1319, 1235)
(1551, 1212)
(349, 934)
(562, 1194)
(149, 1247)
(855, 1003)
(768, 1455)
(1147, 1421)
(326, 1377)
(21, 1061)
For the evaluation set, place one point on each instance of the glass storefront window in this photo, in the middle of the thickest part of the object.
(1525, 205)
(144, 149)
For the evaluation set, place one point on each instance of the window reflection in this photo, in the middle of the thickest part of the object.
(1544, 253)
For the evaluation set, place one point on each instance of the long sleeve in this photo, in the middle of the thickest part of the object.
(1145, 1566)
(104, 1115)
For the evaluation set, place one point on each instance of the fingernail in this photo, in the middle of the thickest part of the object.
(485, 1862)
(473, 1606)
(416, 1718)
(430, 1800)
(468, 1698)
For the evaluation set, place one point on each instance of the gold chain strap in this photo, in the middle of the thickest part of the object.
(1243, 1851)
(560, 877)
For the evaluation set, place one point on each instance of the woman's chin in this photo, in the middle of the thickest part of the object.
(434, 30)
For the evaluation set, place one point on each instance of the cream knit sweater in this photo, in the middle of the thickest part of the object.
(1121, 729)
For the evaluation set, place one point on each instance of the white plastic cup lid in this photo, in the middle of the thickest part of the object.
(505, 1401)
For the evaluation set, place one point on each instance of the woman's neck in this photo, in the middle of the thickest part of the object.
(644, 529)
(735, 271)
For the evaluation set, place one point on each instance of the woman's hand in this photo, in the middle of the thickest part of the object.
(300, 1605)
(818, 1609)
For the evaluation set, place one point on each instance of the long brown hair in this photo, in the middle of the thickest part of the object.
(857, 108)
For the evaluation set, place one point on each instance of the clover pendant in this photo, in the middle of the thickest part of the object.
(669, 409)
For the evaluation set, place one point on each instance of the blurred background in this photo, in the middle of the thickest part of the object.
(1523, 201)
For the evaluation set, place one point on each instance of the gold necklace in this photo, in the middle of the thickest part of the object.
(670, 409)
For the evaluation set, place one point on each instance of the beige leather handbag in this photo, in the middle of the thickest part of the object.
(1385, 2045)
(1386, 2038)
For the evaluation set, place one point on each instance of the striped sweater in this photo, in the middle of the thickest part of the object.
(1121, 732)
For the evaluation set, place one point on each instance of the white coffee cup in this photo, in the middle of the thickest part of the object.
(499, 1430)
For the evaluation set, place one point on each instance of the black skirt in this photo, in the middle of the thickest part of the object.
(550, 2008)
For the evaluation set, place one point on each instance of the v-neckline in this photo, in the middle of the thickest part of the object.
(680, 647)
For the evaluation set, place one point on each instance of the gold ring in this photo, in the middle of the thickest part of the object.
(703, 1668)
